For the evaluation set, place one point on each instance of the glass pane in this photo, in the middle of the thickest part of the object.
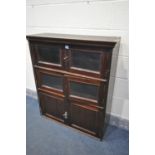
(85, 60)
(52, 81)
(84, 90)
(49, 53)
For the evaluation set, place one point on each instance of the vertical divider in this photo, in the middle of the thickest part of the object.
(66, 99)
(65, 59)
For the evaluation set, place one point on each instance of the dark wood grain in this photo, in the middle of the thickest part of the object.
(77, 39)
(62, 101)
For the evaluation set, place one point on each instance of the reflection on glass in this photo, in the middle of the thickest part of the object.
(85, 60)
(52, 81)
(49, 54)
(84, 90)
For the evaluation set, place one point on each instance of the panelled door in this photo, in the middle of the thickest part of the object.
(71, 82)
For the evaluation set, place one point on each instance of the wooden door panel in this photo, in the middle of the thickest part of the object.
(84, 117)
(52, 106)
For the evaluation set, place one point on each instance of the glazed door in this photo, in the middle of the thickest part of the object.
(87, 61)
(47, 55)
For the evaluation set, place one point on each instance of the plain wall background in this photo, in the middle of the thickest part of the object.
(93, 17)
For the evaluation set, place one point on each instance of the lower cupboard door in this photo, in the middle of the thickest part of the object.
(52, 106)
(84, 118)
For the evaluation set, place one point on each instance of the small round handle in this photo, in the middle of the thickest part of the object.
(65, 115)
(67, 47)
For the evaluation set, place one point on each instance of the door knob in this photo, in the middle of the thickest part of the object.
(65, 115)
